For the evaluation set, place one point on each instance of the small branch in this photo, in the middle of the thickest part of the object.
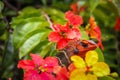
(9, 29)
(10, 6)
(49, 21)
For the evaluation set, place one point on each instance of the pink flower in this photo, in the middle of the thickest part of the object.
(74, 20)
(38, 68)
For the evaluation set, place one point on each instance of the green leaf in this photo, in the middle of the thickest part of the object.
(106, 78)
(2, 27)
(117, 4)
(56, 15)
(46, 49)
(101, 16)
(93, 4)
(84, 34)
(109, 6)
(9, 50)
(44, 2)
(8, 59)
(1, 6)
(30, 31)
(24, 31)
(100, 54)
(32, 42)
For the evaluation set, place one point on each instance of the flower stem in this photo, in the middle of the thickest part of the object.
(49, 21)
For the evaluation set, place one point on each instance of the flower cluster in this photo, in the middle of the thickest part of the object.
(48, 68)
(80, 69)
(42, 69)
(94, 31)
(88, 68)
(70, 31)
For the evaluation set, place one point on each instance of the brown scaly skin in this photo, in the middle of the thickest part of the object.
(74, 47)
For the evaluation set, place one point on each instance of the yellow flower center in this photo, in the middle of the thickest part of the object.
(42, 69)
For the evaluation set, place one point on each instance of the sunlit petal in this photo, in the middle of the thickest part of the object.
(91, 58)
(101, 69)
(77, 75)
(78, 61)
(91, 77)
(73, 34)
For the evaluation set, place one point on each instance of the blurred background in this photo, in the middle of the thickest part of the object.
(26, 13)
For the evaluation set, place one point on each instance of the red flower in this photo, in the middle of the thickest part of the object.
(61, 73)
(63, 34)
(34, 75)
(117, 24)
(38, 68)
(74, 8)
(94, 31)
(82, 8)
(74, 20)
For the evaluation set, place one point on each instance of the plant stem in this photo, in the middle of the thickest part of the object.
(49, 21)
(10, 6)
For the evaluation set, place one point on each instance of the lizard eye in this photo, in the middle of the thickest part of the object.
(85, 45)
(76, 51)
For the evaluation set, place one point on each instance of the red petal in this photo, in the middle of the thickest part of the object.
(57, 27)
(68, 15)
(50, 63)
(75, 20)
(66, 27)
(82, 8)
(37, 59)
(62, 43)
(74, 8)
(100, 45)
(71, 67)
(63, 74)
(73, 34)
(54, 37)
(26, 64)
(98, 31)
(47, 76)
(32, 75)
